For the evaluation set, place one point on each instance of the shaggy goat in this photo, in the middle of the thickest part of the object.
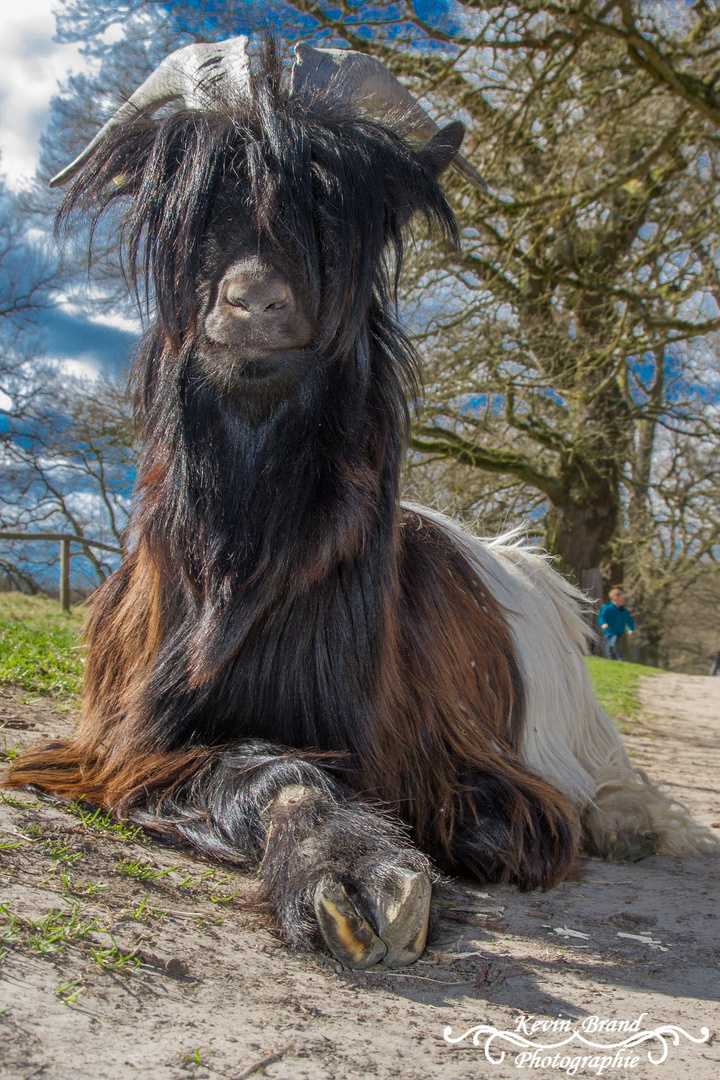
(291, 670)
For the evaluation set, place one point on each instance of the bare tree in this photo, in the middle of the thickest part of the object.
(557, 342)
(671, 549)
(68, 466)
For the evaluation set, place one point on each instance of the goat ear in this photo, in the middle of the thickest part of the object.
(442, 148)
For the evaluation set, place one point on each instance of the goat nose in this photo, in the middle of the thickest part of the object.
(256, 292)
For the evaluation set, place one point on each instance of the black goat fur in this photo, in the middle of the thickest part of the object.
(274, 588)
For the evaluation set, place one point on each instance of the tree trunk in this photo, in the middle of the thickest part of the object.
(644, 446)
(579, 534)
(591, 583)
(644, 601)
(613, 572)
(579, 531)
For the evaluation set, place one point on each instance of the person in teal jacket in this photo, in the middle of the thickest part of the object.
(614, 619)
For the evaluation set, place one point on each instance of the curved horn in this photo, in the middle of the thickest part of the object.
(357, 76)
(194, 74)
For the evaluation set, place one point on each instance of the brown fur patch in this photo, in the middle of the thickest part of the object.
(452, 705)
(70, 770)
(103, 763)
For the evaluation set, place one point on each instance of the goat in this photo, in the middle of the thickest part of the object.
(291, 669)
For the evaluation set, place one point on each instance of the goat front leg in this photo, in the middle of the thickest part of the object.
(368, 889)
(331, 868)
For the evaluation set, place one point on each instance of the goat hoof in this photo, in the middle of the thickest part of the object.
(347, 934)
(632, 847)
(400, 914)
(386, 922)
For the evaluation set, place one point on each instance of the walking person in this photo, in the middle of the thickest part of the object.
(614, 620)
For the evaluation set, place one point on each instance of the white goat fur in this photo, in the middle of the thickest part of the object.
(567, 737)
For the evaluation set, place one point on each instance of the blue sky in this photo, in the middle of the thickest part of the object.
(82, 341)
(31, 64)
(32, 67)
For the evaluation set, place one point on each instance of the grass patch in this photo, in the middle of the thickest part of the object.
(617, 686)
(142, 871)
(40, 646)
(51, 933)
(95, 820)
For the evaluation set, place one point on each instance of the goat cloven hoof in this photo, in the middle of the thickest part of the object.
(631, 847)
(389, 925)
(400, 914)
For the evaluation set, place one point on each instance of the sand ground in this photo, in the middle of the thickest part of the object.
(121, 958)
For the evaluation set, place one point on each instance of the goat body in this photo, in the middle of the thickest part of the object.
(290, 667)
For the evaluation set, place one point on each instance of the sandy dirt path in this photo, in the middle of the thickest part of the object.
(110, 972)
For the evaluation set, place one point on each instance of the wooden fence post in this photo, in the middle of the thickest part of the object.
(65, 574)
(64, 542)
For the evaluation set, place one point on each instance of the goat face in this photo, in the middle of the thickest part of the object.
(291, 267)
(257, 317)
(262, 230)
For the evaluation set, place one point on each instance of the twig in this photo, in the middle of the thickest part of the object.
(267, 1060)
(423, 978)
(184, 914)
(479, 919)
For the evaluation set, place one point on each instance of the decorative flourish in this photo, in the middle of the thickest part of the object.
(664, 1033)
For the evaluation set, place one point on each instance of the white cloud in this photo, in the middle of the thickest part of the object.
(117, 321)
(31, 65)
(78, 369)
